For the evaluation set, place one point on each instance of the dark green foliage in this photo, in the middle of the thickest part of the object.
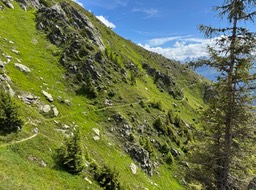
(156, 105)
(169, 158)
(70, 155)
(159, 125)
(88, 88)
(107, 178)
(9, 117)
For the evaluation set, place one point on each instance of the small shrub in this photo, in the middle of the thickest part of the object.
(107, 178)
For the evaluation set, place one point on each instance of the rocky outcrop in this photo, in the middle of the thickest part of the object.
(58, 20)
(140, 155)
(164, 82)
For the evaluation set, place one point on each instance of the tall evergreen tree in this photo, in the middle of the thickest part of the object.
(227, 121)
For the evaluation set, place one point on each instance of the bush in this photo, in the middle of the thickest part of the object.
(107, 178)
(9, 117)
(70, 155)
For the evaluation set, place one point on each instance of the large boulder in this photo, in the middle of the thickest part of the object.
(22, 67)
(47, 96)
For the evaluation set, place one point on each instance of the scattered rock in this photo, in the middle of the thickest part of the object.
(108, 102)
(1, 64)
(96, 131)
(37, 160)
(9, 4)
(35, 130)
(23, 6)
(22, 67)
(133, 168)
(46, 108)
(175, 152)
(67, 102)
(10, 90)
(96, 138)
(15, 51)
(64, 126)
(55, 111)
(29, 98)
(48, 96)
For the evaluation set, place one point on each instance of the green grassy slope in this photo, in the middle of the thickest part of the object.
(21, 157)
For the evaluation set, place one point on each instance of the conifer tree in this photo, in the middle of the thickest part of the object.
(227, 121)
(70, 155)
(9, 117)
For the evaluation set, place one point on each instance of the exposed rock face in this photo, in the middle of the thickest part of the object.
(59, 32)
(140, 155)
(34, 3)
(22, 67)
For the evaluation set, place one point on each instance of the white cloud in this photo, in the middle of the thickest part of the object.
(161, 41)
(106, 22)
(79, 3)
(149, 12)
(184, 48)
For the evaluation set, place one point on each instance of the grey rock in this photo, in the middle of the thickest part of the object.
(22, 67)
(96, 138)
(133, 168)
(15, 51)
(67, 102)
(9, 4)
(23, 6)
(55, 111)
(96, 131)
(46, 108)
(48, 96)
(1, 64)
(35, 130)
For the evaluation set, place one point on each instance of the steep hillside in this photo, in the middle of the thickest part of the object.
(135, 110)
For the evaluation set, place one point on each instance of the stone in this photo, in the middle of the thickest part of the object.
(133, 168)
(15, 51)
(67, 102)
(46, 108)
(1, 64)
(10, 90)
(23, 6)
(35, 130)
(48, 96)
(9, 4)
(96, 138)
(55, 111)
(96, 131)
(22, 67)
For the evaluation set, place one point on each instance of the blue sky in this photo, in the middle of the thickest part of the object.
(168, 27)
